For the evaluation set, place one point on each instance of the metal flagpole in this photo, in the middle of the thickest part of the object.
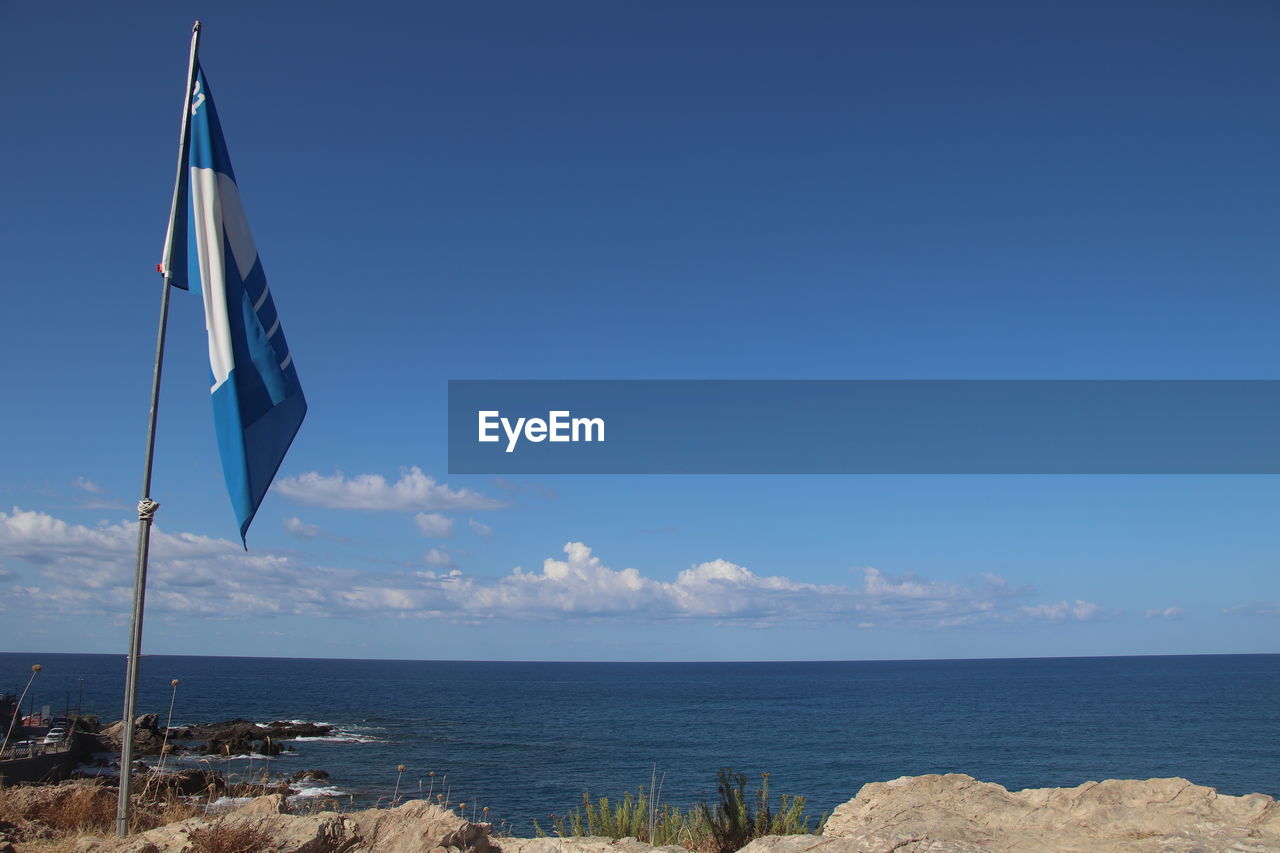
(147, 507)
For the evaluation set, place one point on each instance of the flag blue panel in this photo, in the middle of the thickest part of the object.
(258, 404)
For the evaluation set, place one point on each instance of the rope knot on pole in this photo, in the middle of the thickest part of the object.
(146, 509)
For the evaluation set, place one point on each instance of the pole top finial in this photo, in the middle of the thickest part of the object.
(195, 27)
(36, 667)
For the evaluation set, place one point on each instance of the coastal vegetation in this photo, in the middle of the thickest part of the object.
(727, 825)
(51, 816)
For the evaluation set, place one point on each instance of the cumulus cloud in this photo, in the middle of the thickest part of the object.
(484, 531)
(434, 525)
(1166, 613)
(90, 570)
(414, 491)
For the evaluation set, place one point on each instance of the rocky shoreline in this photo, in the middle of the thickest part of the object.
(231, 737)
(950, 813)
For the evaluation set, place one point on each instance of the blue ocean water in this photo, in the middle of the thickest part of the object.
(526, 739)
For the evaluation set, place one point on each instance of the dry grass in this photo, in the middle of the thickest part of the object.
(49, 818)
(59, 810)
(55, 845)
(171, 808)
(224, 836)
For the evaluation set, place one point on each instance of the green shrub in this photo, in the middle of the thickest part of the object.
(725, 827)
(634, 816)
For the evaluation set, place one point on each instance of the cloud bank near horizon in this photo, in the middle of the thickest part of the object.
(89, 570)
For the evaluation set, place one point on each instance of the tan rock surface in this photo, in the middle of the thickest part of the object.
(416, 826)
(923, 814)
(1115, 816)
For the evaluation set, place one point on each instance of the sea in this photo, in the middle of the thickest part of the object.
(528, 739)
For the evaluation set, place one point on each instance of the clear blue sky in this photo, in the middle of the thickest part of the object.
(646, 190)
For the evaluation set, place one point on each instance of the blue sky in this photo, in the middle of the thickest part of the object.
(639, 191)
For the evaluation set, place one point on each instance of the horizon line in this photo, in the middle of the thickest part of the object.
(721, 661)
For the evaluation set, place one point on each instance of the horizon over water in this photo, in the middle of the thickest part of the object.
(527, 738)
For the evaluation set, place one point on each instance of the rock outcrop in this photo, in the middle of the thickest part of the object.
(415, 827)
(242, 737)
(958, 814)
(922, 814)
(231, 737)
(147, 735)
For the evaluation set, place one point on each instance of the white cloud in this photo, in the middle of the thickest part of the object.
(484, 531)
(40, 538)
(412, 492)
(88, 485)
(1063, 611)
(434, 525)
(1166, 613)
(439, 557)
(300, 529)
(88, 570)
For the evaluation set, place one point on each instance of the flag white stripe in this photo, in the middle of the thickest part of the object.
(275, 327)
(288, 358)
(262, 298)
(205, 197)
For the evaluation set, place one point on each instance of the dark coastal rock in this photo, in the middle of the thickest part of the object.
(240, 728)
(147, 736)
(218, 746)
(283, 730)
(309, 776)
(240, 746)
(245, 737)
(187, 782)
(237, 729)
(88, 723)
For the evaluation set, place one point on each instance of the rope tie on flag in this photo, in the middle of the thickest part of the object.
(146, 509)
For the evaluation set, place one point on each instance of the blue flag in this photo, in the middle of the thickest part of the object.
(257, 402)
